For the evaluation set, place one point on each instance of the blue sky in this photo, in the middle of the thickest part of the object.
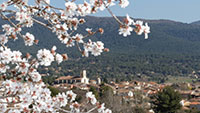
(178, 10)
(186, 11)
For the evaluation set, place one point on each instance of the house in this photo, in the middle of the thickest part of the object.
(73, 79)
(185, 103)
(65, 80)
(195, 105)
(93, 81)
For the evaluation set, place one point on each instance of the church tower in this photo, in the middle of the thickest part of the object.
(84, 78)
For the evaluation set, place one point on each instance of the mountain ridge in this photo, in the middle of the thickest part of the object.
(173, 48)
(166, 36)
(196, 23)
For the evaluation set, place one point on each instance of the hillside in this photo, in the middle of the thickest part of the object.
(172, 49)
(166, 37)
(196, 23)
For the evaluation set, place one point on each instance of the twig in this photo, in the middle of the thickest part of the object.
(92, 109)
(41, 23)
(63, 110)
(111, 13)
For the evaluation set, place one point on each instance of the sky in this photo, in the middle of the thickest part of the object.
(178, 10)
(186, 11)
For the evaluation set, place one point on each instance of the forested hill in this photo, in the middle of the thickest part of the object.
(166, 37)
(196, 23)
(173, 48)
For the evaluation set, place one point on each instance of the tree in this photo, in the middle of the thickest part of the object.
(138, 109)
(167, 101)
(23, 89)
(54, 91)
(94, 91)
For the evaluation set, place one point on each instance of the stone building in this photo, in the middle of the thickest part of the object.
(73, 79)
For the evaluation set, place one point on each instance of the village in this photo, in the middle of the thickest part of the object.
(134, 92)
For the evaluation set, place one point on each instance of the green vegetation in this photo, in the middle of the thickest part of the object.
(94, 91)
(54, 91)
(154, 67)
(105, 91)
(172, 49)
(138, 109)
(167, 101)
(191, 111)
(179, 79)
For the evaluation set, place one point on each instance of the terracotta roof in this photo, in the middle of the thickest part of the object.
(152, 92)
(123, 91)
(64, 78)
(195, 103)
(185, 108)
(153, 83)
(195, 100)
(145, 91)
(76, 78)
(185, 92)
(121, 86)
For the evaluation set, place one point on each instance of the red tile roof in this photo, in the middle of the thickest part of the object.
(64, 78)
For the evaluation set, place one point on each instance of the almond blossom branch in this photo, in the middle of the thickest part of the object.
(41, 23)
(63, 110)
(8, 19)
(26, 85)
(111, 13)
(92, 109)
(51, 6)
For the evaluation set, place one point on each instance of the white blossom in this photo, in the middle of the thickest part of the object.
(63, 38)
(97, 48)
(75, 107)
(101, 108)
(3, 39)
(45, 57)
(62, 99)
(70, 43)
(71, 95)
(78, 38)
(3, 107)
(128, 20)
(8, 29)
(125, 30)
(146, 30)
(107, 111)
(35, 76)
(3, 6)
(3, 68)
(59, 58)
(70, 9)
(23, 66)
(6, 55)
(26, 100)
(139, 26)
(29, 39)
(84, 9)
(24, 17)
(91, 98)
(17, 56)
(14, 111)
(124, 3)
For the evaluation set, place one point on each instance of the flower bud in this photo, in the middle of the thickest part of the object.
(101, 30)
(65, 57)
(106, 50)
(36, 41)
